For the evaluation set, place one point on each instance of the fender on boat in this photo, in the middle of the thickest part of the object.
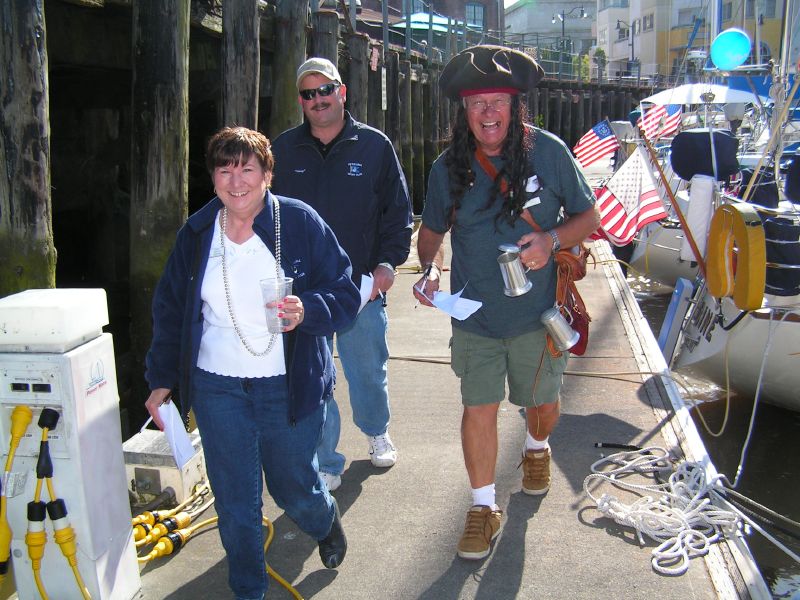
(741, 224)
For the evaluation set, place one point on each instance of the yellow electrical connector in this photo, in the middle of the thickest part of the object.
(20, 419)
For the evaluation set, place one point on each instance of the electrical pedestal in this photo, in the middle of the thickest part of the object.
(53, 354)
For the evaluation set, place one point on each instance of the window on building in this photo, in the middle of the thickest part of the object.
(419, 6)
(474, 15)
(647, 22)
(769, 9)
(749, 9)
(686, 16)
(622, 33)
(727, 11)
(602, 36)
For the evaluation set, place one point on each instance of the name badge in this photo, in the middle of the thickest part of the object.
(532, 184)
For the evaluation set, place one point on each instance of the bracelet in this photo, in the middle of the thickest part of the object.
(430, 267)
(556, 241)
(387, 265)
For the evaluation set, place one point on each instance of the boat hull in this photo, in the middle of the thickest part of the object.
(769, 336)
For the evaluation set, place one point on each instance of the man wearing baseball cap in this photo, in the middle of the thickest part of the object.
(496, 168)
(350, 174)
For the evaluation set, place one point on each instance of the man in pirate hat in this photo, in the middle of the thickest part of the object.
(496, 167)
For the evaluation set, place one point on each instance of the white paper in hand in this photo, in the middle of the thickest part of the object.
(176, 434)
(366, 290)
(453, 304)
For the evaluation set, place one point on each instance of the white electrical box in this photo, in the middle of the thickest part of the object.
(57, 357)
(151, 468)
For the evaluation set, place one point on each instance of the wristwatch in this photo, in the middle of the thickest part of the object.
(556, 241)
(387, 265)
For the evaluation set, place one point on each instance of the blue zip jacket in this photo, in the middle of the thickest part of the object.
(358, 188)
(322, 279)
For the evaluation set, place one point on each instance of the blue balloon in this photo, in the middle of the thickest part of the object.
(730, 49)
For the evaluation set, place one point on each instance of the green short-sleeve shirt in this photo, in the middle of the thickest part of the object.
(555, 183)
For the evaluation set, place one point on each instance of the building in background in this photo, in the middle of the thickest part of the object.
(641, 41)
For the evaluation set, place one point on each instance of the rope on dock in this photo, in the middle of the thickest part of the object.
(681, 519)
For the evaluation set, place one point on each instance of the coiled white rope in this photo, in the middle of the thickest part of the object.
(682, 519)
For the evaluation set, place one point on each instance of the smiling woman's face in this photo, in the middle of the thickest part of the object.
(488, 117)
(241, 186)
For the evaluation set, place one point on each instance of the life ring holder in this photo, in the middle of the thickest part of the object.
(737, 223)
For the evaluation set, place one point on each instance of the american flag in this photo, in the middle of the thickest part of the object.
(661, 121)
(629, 200)
(599, 142)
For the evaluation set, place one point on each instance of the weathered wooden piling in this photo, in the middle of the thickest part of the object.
(26, 230)
(407, 158)
(419, 115)
(325, 35)
(393, 127)
(376, 115)
(241, 62)
(159, 151)
(290, 43)
(432, 133)
(357, 88)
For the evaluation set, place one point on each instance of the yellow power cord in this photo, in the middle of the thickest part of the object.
(21, 417)
(174, 540)
(63, 533)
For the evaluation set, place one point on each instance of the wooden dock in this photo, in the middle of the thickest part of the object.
(403, 523)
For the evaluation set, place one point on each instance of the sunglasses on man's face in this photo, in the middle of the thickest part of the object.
(323, 90)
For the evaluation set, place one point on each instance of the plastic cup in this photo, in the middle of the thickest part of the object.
(273, 290)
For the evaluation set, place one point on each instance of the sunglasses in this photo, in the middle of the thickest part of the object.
(323, 90)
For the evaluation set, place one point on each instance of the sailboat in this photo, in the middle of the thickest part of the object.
(741, 327)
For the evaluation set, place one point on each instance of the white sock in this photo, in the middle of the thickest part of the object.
(532, 443)
(484, 496)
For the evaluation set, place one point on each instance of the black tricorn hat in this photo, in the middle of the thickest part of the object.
(488, 67)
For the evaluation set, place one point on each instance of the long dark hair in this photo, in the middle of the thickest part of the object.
(515, 169)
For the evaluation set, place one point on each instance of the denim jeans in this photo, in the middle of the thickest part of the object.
(245, 429)
(364, 353)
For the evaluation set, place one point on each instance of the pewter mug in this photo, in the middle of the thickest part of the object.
(515, 282)
(564, 336)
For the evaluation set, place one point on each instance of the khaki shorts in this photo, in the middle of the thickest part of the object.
(483, 364)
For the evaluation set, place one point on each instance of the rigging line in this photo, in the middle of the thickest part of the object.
(768, 345)
(777, 543)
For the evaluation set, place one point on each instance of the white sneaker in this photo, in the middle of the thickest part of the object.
(382, 452)
(332, 481)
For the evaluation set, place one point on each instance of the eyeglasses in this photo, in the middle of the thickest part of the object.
(478, 106)
(323, 90)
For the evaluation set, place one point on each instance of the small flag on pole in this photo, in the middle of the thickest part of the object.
(629, 200)
(661, 121)
(599, 142)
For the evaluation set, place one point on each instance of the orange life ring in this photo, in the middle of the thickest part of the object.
(740, 224)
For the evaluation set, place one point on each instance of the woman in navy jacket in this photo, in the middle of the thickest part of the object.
(258, 398)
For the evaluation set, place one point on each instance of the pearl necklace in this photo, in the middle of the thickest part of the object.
(225, 281)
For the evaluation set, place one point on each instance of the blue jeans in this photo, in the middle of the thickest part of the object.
(364, 354)
(244, 425)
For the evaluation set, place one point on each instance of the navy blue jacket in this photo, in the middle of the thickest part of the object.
(322, 279)
(358, 188)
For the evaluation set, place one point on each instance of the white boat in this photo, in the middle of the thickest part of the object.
(754, 348)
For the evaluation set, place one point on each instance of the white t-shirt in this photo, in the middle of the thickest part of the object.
(221, 350)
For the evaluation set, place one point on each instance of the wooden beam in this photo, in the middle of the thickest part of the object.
(290, 42)
(241, 63)
(159, 152)
(26, 233)
(357, 86)
(325, 35)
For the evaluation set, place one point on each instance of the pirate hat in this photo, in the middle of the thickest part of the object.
(482, 69)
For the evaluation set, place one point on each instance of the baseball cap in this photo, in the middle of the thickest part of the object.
(318, 65)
